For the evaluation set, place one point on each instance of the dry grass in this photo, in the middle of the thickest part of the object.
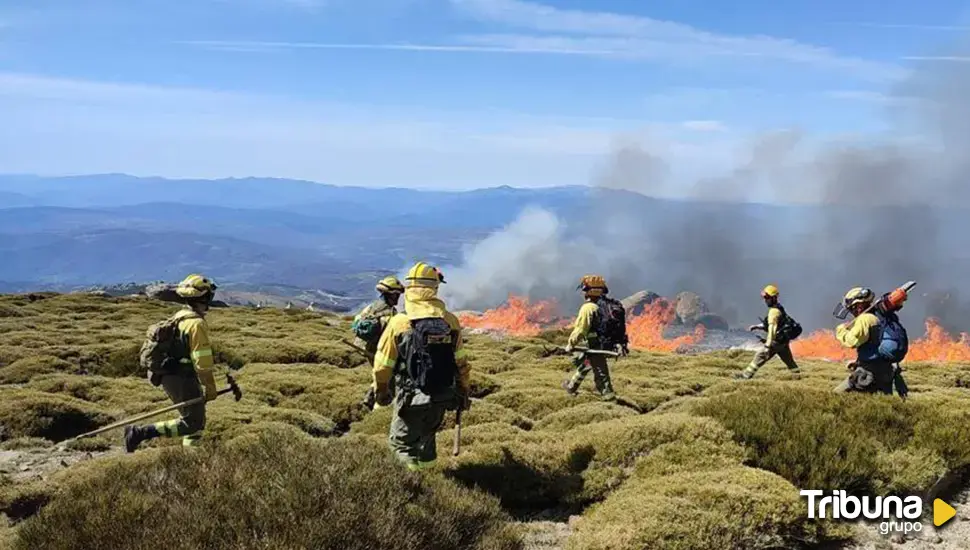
(688, 458)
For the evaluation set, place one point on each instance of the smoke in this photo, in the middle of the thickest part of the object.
(874, 211)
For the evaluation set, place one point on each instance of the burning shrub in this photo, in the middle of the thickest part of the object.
(270, 490)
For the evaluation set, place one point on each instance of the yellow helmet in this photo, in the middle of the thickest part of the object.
(858, 295)
(389, 284)
(770, 290)
(422, 274)
(195, 286)
(593, 284)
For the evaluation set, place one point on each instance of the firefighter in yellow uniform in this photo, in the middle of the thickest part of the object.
(587, 320)
(194, 379)
(868, 334)
(776, 341)
(421, 351)
(370, 323)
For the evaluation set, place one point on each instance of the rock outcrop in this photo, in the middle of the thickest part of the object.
(162, 291)
(690, 308)
(635, 303)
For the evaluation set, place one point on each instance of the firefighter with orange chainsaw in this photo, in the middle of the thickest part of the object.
(878, 337)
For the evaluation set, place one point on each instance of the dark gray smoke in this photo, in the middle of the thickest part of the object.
(874, 212)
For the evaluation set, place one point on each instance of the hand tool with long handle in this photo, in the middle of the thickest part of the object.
(233, 388)
(456, 448)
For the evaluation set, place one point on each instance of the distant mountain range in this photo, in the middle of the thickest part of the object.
(71, 232)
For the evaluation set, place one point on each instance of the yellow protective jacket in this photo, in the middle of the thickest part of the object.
(584, 323)
(380, 311)
(859, 332)
(195, 334)
(419, 303)
(774, 316)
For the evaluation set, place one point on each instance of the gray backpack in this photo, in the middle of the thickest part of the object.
(163, 349)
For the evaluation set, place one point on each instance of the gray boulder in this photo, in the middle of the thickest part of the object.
(162, 291)
(712, 321)
(635, 303)
(689, 307)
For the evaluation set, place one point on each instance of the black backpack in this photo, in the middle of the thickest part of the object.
(788, 328)
(610, 323)
(430, 356)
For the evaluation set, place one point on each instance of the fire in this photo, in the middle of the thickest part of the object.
(646, 329)
(935, 345)
(523, 318)
(517, 317)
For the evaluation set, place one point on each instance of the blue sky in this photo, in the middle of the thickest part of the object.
(442, 93)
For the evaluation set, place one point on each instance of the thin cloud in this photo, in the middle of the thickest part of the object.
(948, 58)
(912, 26)
(226, 45)
(640, 36)
(615, 48)
(704, 125)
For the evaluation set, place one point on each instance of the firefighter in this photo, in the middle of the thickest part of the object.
(421, 352)
(371, 322)
(880, 342)
(601, 323)
(193, 378)
(779, 330)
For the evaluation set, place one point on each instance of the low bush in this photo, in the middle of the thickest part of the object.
(28, 413)
(23, 370)
(266, 491)
(729, 508)
(860, 443)
(582, 415)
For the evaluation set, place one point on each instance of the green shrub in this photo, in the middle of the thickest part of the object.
(732, 508)
(90, 445)
(25, 369)
(266, 491)
(27, 413)
(582, 415)
(860, 443)
(21, 443)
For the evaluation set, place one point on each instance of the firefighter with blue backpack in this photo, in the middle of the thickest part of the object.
(178, 356)
(370, 323)
(601, 322)
(780, 329)
(421, 351)
(879, 338)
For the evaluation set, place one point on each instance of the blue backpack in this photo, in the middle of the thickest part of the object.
(893, 340)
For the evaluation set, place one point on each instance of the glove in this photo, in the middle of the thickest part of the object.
(568, 348)
(851, 365)
(208, 382)
(624, 350)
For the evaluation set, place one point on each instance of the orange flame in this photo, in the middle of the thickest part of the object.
(520, 317)
(646, 329)
(935, 345)
(517, 317)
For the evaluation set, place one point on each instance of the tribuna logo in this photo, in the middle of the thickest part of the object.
(839, 505)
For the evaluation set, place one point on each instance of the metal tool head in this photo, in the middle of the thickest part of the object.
(236, 391)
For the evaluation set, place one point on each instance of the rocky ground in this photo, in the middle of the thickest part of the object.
(954, 535)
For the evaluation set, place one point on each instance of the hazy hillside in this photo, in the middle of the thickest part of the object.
(104, 229)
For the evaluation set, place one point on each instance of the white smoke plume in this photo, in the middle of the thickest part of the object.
(874, 211)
